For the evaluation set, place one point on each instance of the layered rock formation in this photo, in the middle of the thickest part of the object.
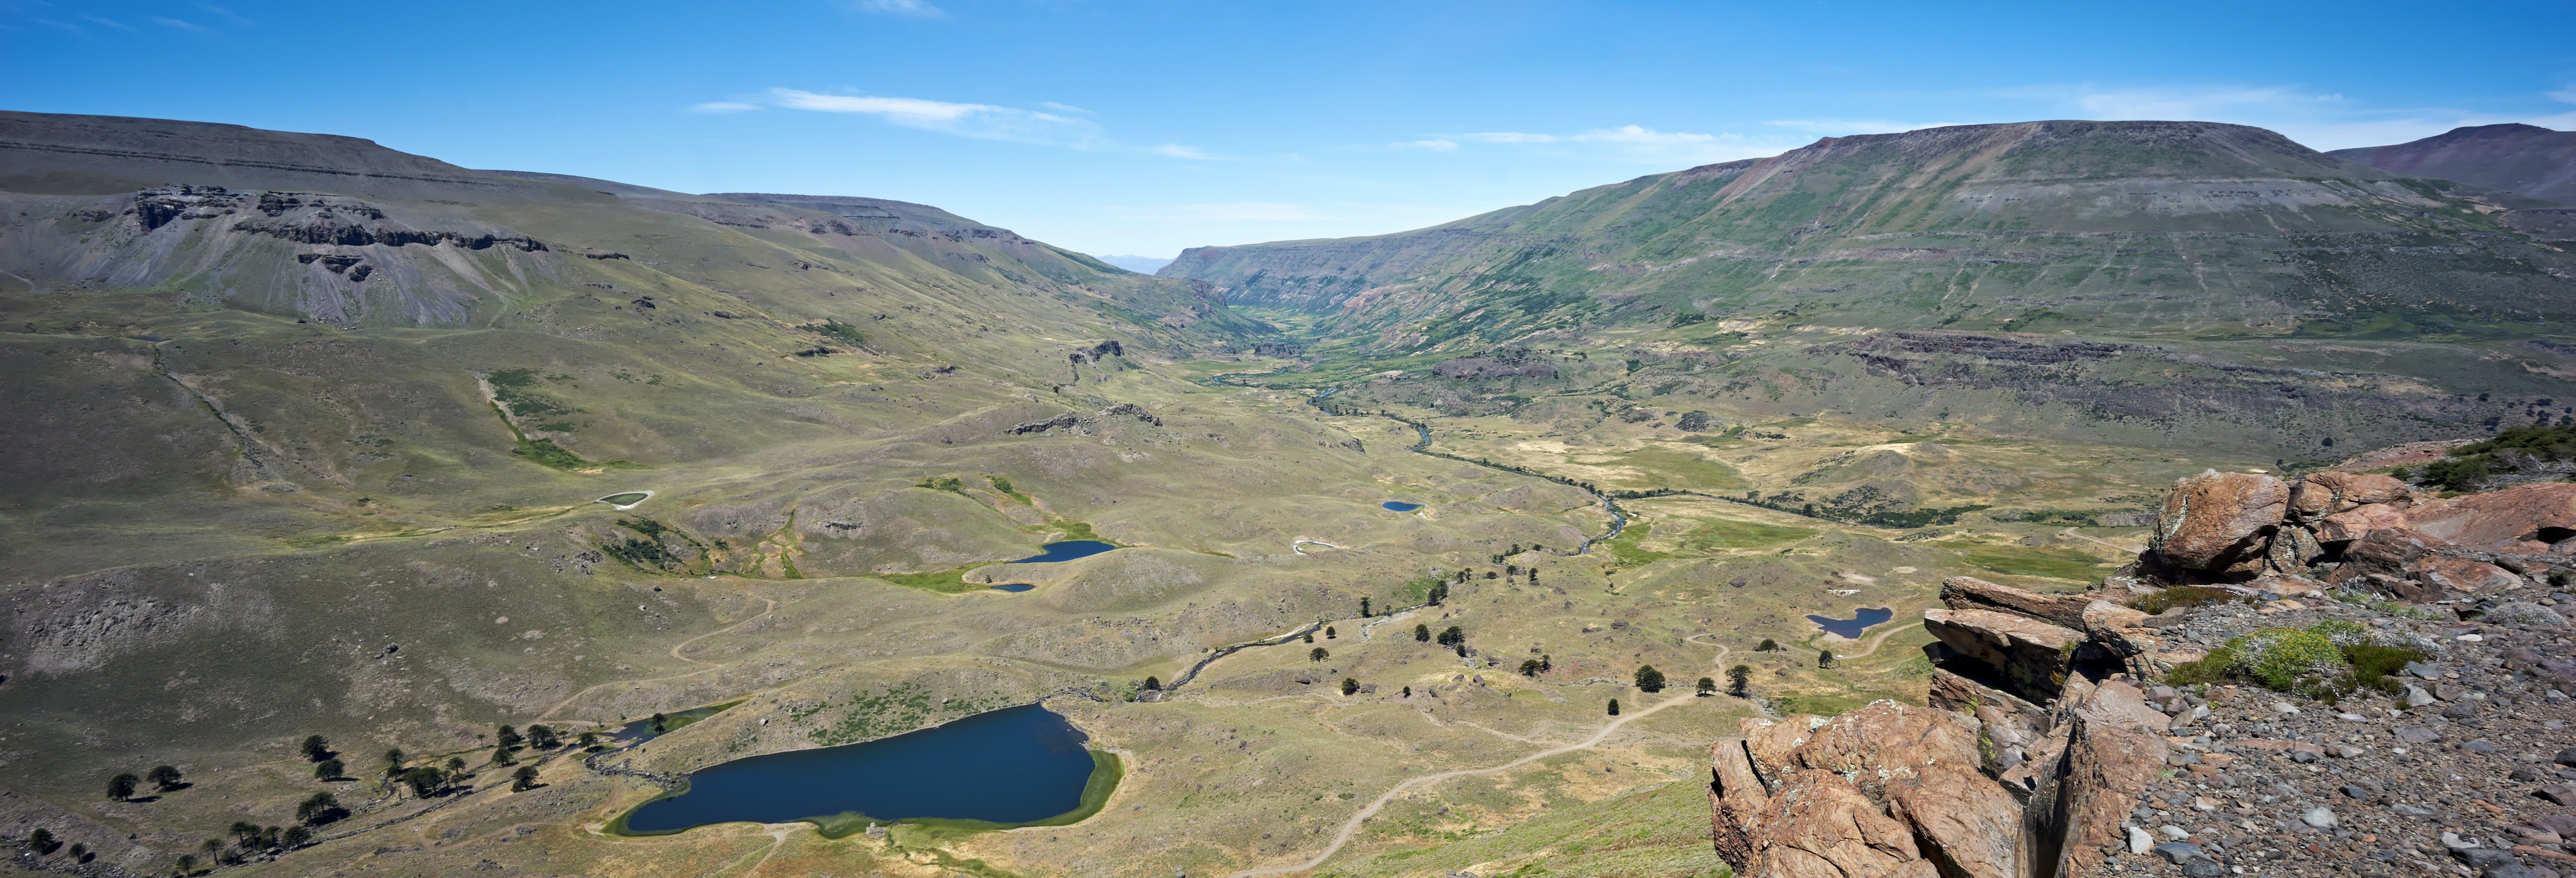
(2038, 739)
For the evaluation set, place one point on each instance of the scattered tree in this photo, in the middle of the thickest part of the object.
(1462, 649)
(1310, 637)
(1824, 658)
(424, 781)
(1421, 633)
(1452, 636)
(1439, 593)
(658, 723)
(1529, 667)
(507, 738)
(329, 769)
(1614, 707)
(544, 737)
(589, 740)
(1408, 691)
(1649, 679)
(1767, 645)
(1350, 685)
(320, 808)
(295, 837)
(163, 777)
(1318, 655)
(393, 761)
(1330, 634)
(524, 779)
(41, 840)
(121, 787)
(456, 763)
(1707, 687)
(1739, 681)
(187, 863)
(1545, 664)
(1153, 684)
(317, 748)
(1364, 608)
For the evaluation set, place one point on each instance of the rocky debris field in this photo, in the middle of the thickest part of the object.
(2470, 768)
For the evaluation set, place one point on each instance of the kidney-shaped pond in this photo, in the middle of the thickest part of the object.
(1862, 618)
(1014, 766)
(1067, 550)
(1399, 506)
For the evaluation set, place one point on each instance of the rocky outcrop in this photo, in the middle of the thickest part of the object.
(2358, 531)
(2038, 740)
(2219, 521)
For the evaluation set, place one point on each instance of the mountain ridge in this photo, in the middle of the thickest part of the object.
(2522, 159)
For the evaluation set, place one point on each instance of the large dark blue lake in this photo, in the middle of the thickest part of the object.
(1860, 621)
(1400, 506)
(1067, 551)
(1014, 765)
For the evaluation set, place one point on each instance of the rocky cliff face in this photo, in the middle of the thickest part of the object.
(2522, 159)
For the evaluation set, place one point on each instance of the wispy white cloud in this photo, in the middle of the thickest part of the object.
(1436, 144)
(180, 24)
(2565, 95)
(981, 121)
(119, 25)
(1174, 150)
(226, 14)
(722, 107)
(1628, 143)
(1065, 108)
(913, 8)
(1842, 127)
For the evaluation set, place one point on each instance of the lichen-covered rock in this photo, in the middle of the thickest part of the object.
(1820, 826)
(2216, 520)
(2328, 493)
(2032, 655)
(1965, 824)
(1971, 593)
(2521, 518)
(2359, 521)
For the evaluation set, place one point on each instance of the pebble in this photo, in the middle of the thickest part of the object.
(2320, 817)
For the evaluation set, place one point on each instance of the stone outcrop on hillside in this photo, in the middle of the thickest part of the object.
(2049, 745)
(2355, 531)
(2037, 740)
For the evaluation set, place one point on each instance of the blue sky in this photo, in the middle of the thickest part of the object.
(1150, 126)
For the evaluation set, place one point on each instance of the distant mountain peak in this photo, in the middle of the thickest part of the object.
(2526, 160)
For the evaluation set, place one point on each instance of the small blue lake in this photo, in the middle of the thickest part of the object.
(1014, 588)
(1400, 506)
(1067, 551)
(1860, 621)
(1015, 765)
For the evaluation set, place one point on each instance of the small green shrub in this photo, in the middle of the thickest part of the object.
(2280, 657)
(2343, 634)
(2181, 596)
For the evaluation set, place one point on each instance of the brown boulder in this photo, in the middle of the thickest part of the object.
(2214, 520)
(1971, 593)
(1820, 826)
(2538, 513)
(2327, 493)
(2359, 521)
(1888, 739)
(2032, 655)
(2461, 574)
(1964, 823)
(2108, 766)
(2383, 552)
